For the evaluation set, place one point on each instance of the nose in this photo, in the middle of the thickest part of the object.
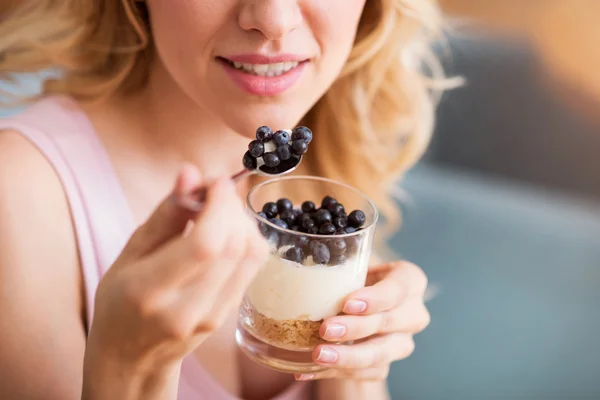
(273, 18)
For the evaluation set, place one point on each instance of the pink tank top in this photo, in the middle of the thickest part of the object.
(101, 216)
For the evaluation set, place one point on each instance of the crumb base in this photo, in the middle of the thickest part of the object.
(288, 334)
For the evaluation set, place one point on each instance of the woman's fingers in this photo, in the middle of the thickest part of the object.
(210, 242)
(368, 374)
(181, 282)
(217, 221)
(166, 222)
(254, 257)
(410, 317)
(222, 285)
(231, 294)
(402, 281)
(376, 352)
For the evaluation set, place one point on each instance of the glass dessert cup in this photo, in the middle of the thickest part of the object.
(284, 306)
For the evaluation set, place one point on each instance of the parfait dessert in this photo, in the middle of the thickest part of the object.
(320, 232)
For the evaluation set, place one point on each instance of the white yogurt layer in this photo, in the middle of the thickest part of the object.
(285, 290)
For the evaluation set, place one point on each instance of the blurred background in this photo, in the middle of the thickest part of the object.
(504, 212)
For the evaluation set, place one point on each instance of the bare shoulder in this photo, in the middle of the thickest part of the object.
(32, 197)
(18, 156)
(41, 301)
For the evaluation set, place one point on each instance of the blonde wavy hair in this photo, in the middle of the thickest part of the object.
(382, 104)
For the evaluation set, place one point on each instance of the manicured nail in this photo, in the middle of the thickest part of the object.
(305, 377)
(327, 355)
(334, 331)
(355, 306)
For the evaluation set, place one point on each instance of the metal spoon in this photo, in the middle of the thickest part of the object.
(196, 199)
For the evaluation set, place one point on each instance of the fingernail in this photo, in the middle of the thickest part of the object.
(327, 355)
(334, 331)
(305, 377)
(355, 306)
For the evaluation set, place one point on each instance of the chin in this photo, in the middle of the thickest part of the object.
(245, 120)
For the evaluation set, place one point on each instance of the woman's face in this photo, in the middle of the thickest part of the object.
(254, 62)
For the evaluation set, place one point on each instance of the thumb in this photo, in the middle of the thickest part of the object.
(168, 220)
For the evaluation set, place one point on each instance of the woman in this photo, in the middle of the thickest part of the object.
(143, 88)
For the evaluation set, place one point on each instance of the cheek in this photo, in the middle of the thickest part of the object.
(184, 28)
(334, 24)
(188, 16)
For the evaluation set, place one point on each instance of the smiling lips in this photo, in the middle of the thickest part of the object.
(264, 76)
(274, 69)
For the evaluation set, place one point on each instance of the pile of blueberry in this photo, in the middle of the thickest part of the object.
(278, 151)
(329, 219)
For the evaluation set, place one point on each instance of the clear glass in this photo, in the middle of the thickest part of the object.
(284, 306)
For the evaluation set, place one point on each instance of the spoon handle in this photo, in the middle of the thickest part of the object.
(245, 173)
(195, 200)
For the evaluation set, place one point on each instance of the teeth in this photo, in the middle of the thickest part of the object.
(260, 69)
(274, 69)
(277, 69)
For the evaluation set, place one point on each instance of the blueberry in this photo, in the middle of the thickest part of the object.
(271, 160)
(313, 230)
(302, 241)
(312, 244)
(328, 201)
(256, 148)
(327, 229)
(295, 228)
(304, 216)
(264, 134)
(264, 228)
(320, 253)
(302, 133)
(297, 212)
(307, 224)
(295, 254)
(308, 207)
(337, 246)
(322, 216)
(337, 259)
(336, 209)
(281, 224)
(272, 237)
(284, 204)
(340, 222)
(288, 217)
(286, 239)
(356, 219)
(262, 215)
(349, 229)
(281, 137)
(299, 147)
(284, 152)
(249, 161)
(270, 210)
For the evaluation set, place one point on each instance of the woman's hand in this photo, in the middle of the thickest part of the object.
(168, 291)
(382, 318)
